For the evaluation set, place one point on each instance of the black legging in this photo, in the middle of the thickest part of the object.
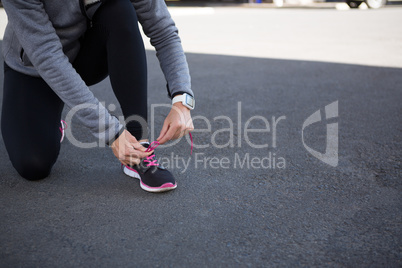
(31, 111)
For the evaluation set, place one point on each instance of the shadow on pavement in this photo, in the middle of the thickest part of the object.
(305, 213)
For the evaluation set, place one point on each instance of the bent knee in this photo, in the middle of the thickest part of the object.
(34, 169)
(117, 16)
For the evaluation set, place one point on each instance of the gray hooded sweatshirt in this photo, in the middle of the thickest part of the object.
(42, 38)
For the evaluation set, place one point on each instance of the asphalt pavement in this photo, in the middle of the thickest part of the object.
(271, 182)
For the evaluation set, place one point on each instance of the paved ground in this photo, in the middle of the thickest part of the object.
(296, 212)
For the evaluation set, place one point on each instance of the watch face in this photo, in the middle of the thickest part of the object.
(190, 101)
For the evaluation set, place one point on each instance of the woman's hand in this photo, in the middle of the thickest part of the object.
(128, 150)
(177, 124)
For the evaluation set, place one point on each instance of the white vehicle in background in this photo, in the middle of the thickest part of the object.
(351, 3)
(369, 3)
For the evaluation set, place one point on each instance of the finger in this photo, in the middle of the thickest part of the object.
(165, 128)
(168, 136)
(130, 152)
(142, 155)
(178, 134)
(128, 137)
(137, 146)
(181, 133)
(134, 161)
(124, 161)
(189, 129)
(134, 142)
(190, 126)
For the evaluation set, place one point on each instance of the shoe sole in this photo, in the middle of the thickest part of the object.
(163, 188)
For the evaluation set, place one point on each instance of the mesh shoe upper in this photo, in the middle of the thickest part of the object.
(151, 173)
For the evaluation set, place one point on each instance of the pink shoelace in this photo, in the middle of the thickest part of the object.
(150, 159)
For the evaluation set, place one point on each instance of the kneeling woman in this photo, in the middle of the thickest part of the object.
(54, 49)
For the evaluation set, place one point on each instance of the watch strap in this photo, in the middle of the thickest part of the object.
(180, 98)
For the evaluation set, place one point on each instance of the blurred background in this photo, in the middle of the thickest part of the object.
(285, 3)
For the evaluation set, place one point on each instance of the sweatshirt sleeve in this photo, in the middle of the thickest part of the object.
(161, 29)
(38, 38)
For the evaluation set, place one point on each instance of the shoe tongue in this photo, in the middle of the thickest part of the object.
(145, 144)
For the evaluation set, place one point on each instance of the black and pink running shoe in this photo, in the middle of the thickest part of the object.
(153, 177)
